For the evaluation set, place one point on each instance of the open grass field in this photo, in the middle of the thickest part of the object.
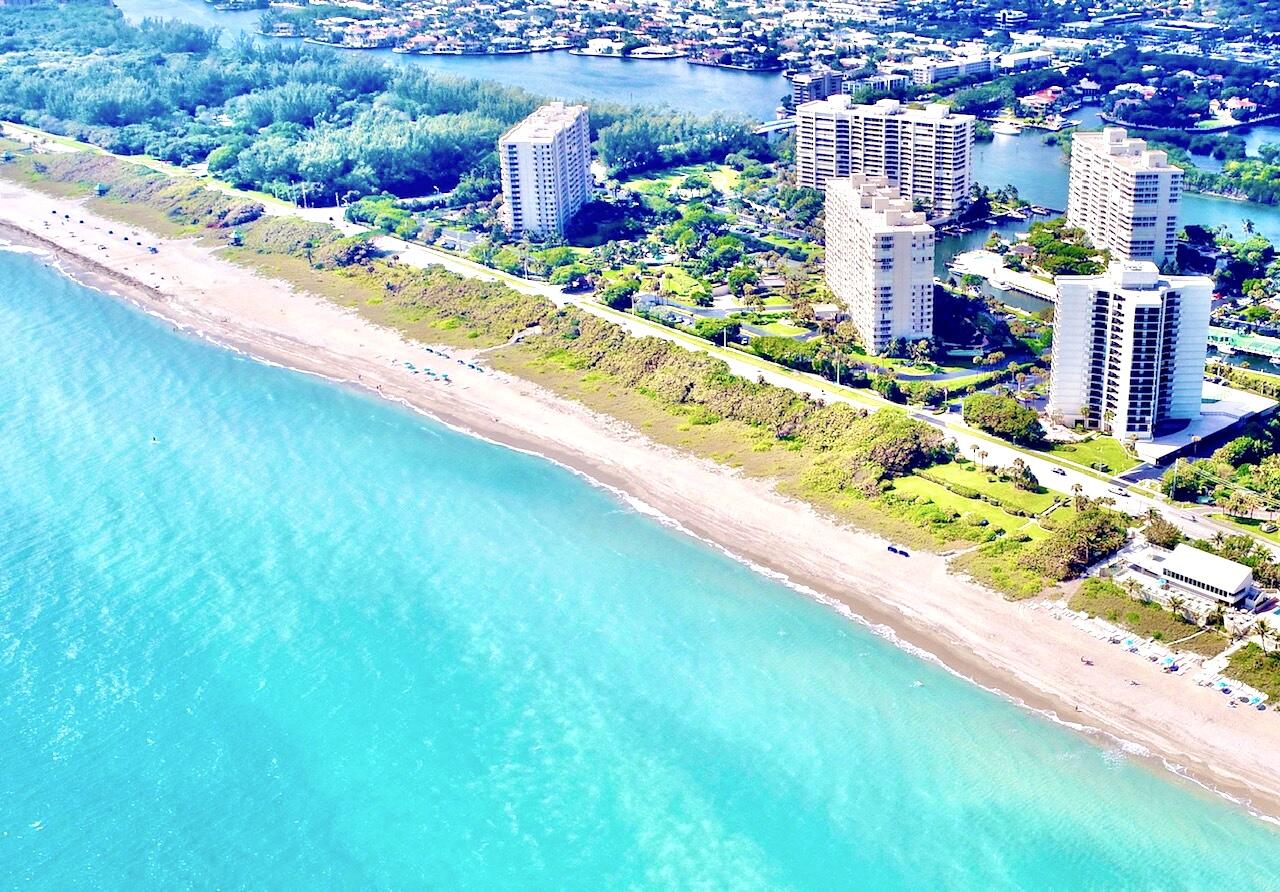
(1107, 450)
(723, 177)
(679, 283)
(812, 249)
(970, 510)
(783, 329)
(967, 475)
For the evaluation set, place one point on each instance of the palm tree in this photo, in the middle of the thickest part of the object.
(1264, 631)
(1219, 615)
(1077, 492)
(1131, 587)
(1176, 605)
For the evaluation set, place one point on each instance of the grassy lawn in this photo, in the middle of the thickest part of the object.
(723, 177)
(1102, 597)
(1256, 668)
(809, 248)
(906, 366)
(968, 509)
(1107, 450)
(609, 276)
(1250, 525)
(774, 300)
(678, 282)
(782, 329)
(967, 475)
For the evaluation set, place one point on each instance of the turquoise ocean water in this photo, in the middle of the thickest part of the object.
(308, 640)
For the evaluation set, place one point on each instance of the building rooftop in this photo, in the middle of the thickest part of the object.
(1194, 563)
(1124, 150)
(876, 197)
(544, 123)
(885, 107)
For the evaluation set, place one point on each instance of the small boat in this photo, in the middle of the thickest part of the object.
(1006, 128)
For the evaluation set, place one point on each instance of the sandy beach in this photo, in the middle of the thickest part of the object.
(1012, 648)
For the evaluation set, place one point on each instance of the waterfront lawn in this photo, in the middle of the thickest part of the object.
(968, 477)
(950, 516)
(1100, 449)
(1257, 668)
(999, 565)
(1104, 598)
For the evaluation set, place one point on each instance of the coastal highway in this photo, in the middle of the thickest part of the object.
(1063, 479)
(1054, 473)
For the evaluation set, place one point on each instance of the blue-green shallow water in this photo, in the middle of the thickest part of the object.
(310, 640)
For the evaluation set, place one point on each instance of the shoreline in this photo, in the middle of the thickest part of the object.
(1009, 649)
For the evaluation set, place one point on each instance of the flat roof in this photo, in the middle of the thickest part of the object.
(544, 123)
(1202, 566)
(1114, 144)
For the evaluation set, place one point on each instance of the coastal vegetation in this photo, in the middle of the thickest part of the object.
(1242, 476)
(1004, 417)
(1256, 179)
(1129, 610)
(1257, 667)
(880, 470)
(1024, 564)
(298, 122)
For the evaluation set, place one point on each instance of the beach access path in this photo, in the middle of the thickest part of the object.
(999, 644)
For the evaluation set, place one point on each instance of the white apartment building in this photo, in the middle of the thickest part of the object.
(808, 86)
(879, 260)
(926, 71)
(1129, 349)
(1124, 195)
(546, 169)
(927, 153)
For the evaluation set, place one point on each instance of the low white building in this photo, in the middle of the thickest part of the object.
(1191, 571)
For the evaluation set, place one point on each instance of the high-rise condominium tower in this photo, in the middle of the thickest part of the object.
(926, 152)
(879, 260)
(546, 169)
(1129, 349)
(1124, 196)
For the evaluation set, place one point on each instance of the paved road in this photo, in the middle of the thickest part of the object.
(1000, 453)
(1052, 472)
